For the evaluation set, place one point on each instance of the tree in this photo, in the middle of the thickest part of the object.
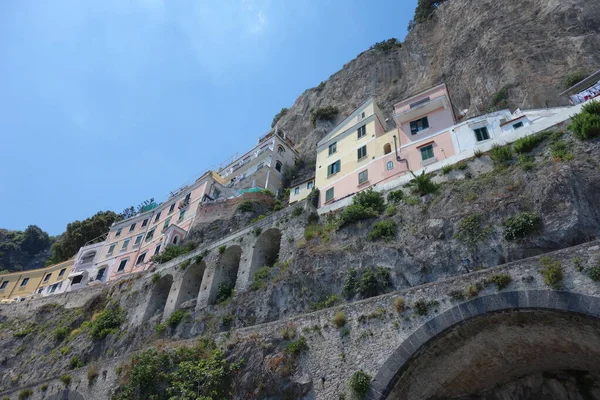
(34, 240)
(129, 212)
(146, 205)
(425, 8)
(78, 233)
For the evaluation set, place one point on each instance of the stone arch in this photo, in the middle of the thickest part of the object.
(387, 148)
(190, 284)
(453, 354)
(67, 394)
(158, 297)
(226, 271)
(266, 250)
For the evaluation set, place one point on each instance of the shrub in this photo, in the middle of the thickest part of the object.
(470, 230)
(359, 383)
(246, 206)
(521, 225)
(160, 329)
(297, 347)
(500, 98)
(222, 249)
(391, 210)
(92, 372)
(446, 169)
(593, 107)
(176, 317)
(256, 219)
(350, 284)
(385, 230)
(594, 273)
(368, 284)
(225, 292)
(424, 10)
(155, 278)
(327, 113)
(395, 196)
(328, 302)
(573, 78)
(461, 165)
(585, 126)
(501, 154)
(260, 278)
(44, 387)
(65, 379)
(386, 45)
(108, 322)
(279, 115)
(552, 272)
(366, 204)
(172, 252)
(457, 294)
(297, 212)
(527, 144)
(75, 362)
(25, 394)
(61, 333)
(526, 162)
(399, 304)
(422, 184)
(501, 280)
(370, 199)
(268, 193)
(478, 153)
(339, 319)
(23, 332)
(289, 331)
(277, 206)
(560, 151)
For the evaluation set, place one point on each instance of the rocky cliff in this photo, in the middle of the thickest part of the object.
(478, 48)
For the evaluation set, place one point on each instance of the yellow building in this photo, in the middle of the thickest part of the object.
(300, 189)
(21, 285)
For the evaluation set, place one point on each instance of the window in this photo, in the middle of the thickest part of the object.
(363, 176)
(77, 279)
(387, 148)
(171, 208)
(309, 185)
(47, 278)
(280, 150)
(122, 265)
(24, 282)
(118, 232)
(419, 125)
(40, 290)
(150, 235)
(389, 166)
(361, 116)
(329, 194)
(125, 244)
(181, 215)
(157, 217)
(481, 134)
(141, 259)
(427, 152)
(332, 148)
(111, 248)
(216, 193)
(278, 166)
(4, 285)
(100, 274)
(138, 239)
(362, 152)
(297, 190)
(62, 272)
(166, 224)
(518, 125)
(362, 131)
(333, 168)
(157, 249)
(175, 239)
(132, 227)
(187, 197)
(144, 222)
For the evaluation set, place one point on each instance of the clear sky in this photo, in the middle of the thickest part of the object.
(105, 103)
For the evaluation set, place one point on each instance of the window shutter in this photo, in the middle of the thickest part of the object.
(338, 164)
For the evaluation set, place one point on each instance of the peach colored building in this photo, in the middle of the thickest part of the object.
(359, 153)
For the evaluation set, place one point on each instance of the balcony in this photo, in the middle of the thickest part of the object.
(239, 164)
(421, 108)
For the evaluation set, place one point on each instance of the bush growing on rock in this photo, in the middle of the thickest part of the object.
(385, 230)
(359, 383)
(172, 252)
(500, 280)
(25, 394)
(225, 292)
(366, 204)
(552, 272)
(297, 347)
(246, 206)
(395, 196)
(339, 319)
(399, 304)
(594, 273)
(501, 154)
(585, 126)
(65, 379)
(422, 184)
(327, 113)
(176, 317)
(108, 322)
(519, 226)
(527, 144)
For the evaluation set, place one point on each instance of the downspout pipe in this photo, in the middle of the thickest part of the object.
(398, 158)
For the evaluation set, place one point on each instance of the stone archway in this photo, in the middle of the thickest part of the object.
(266, 250)
(226, 272)
(158, 297)
(190, 284)
(515, 344)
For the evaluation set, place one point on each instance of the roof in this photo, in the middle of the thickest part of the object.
(346, 120)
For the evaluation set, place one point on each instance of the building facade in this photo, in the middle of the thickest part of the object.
(19, 286)
(300, 189)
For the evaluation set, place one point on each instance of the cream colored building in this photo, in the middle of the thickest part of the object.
(18, 286)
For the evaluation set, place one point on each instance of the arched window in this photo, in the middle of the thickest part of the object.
(278, 166)
(387, 148)
(280, 150)
(389, 166)
(175, 239)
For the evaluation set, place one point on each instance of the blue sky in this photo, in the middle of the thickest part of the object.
(106, 103)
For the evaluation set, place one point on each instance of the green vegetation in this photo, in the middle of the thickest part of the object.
(328, 302)
(457, 294)
(500, 280)
(350, 284)
(385, 230)
(172, 252)
(501, 154)
(268, 193)
(25, 394)
(471, 232)
(44, 387)
(473, 290)
(500, 98)
(339, 319)
(24, 332)
(92, 372)
(61, 333)
(478, 153)
(422, 306)
(528, 143)
(371, 283)
(176, 317)
(327, 113)
(594, 273)
(160, 329)
(201, 372)
(246, 206)
(386, 45)
(422, 184)
(225, 292)
(519, 226)
(297, 212)
(391, 210)
(395, 196)
(222, 249)
(552, 272)
(155, 278)
(297, 347)
(446, 169)
(65, 379)
(258, 218)
(586, 124)
(75, 362)
(277, 205)
(261, 276)
(359, 383)
(279, 115)
(560, 151)
(78, 233)
(19, 247)
(399, 304)
(526, 162)
(108, 322)
(366, 204)
(573, 78)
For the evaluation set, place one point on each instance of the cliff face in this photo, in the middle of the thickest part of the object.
(476, 48)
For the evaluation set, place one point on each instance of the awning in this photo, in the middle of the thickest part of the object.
(74, 274)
